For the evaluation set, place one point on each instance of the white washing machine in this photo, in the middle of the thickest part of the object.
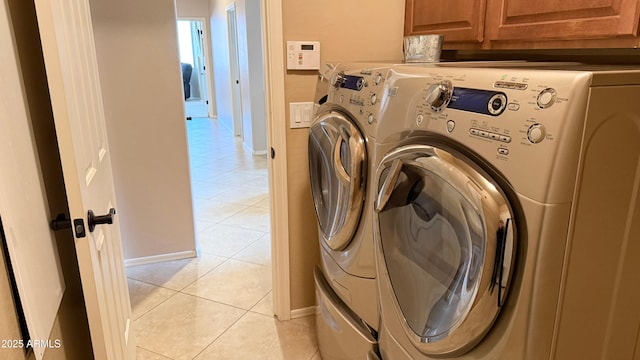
(507, 214)
(341, 140)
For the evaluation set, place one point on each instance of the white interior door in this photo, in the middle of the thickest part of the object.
(72, 74)
(33, 254)
(200, 60)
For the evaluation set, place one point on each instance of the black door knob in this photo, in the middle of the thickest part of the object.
(93, 219)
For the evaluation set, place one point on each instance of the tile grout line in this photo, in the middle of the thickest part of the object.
(155, 353)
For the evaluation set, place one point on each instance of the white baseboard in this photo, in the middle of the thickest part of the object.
(248, 148)
(158, 258)
(298, 313)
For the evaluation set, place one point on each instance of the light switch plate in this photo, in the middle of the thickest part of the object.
(300, 114)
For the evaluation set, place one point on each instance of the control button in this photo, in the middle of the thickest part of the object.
(370, 118)
(341, 98)
(451, 125)
(497, 104)
(473, 131)
(521, 86)
(494, 136)
(505, 138)
(373, 99)
(536, 133)
(377, 79)
(483, 133)
(546, 98)
(514, 107)
(503, 151)
(419, 119)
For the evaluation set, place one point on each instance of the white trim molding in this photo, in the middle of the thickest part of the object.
(298, 313)
(159, 258)
(276, 128)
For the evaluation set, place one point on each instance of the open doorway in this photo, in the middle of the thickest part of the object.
(192, 45)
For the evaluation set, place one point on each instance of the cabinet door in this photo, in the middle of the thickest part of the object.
(457, 20)
(561, 20)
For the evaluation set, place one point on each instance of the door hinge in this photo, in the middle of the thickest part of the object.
(273, 153)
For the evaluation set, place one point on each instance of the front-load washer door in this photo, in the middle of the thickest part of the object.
(337, 169)
(447, 235)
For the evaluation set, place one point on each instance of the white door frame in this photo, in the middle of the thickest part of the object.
(207, 59)
(276, 129)
(234, 68)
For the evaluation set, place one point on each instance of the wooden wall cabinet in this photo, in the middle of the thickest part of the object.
(460, 21)
(510, 24)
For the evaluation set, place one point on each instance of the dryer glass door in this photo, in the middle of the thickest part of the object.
(443, 233)
(337, 170)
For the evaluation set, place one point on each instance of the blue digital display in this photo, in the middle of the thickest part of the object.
(478, 101)
(352, 82)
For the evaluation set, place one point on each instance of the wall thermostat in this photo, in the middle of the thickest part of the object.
(303, 55)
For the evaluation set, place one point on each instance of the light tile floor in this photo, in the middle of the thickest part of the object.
(219, 305)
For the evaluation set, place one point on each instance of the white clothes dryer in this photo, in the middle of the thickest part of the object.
(341, 141)
(507, 214)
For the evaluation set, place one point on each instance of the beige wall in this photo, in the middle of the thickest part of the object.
(70, 326)
(192, 8)
(137, 48)
(348, 31)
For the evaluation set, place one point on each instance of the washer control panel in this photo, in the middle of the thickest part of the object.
(358, 90)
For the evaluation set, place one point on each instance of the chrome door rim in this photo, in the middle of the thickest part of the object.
(350, 179)
(489, 299)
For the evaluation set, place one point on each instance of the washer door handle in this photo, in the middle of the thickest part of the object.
(388, 185)
(341, 173)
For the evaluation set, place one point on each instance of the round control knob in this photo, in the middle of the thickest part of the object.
(546, 98)
(373, 99)
(536, 133)
(497, 104)
(439, 95)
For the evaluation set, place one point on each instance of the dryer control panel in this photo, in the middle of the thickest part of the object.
(518, 119)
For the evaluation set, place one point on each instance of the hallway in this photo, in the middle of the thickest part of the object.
(219, 305)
